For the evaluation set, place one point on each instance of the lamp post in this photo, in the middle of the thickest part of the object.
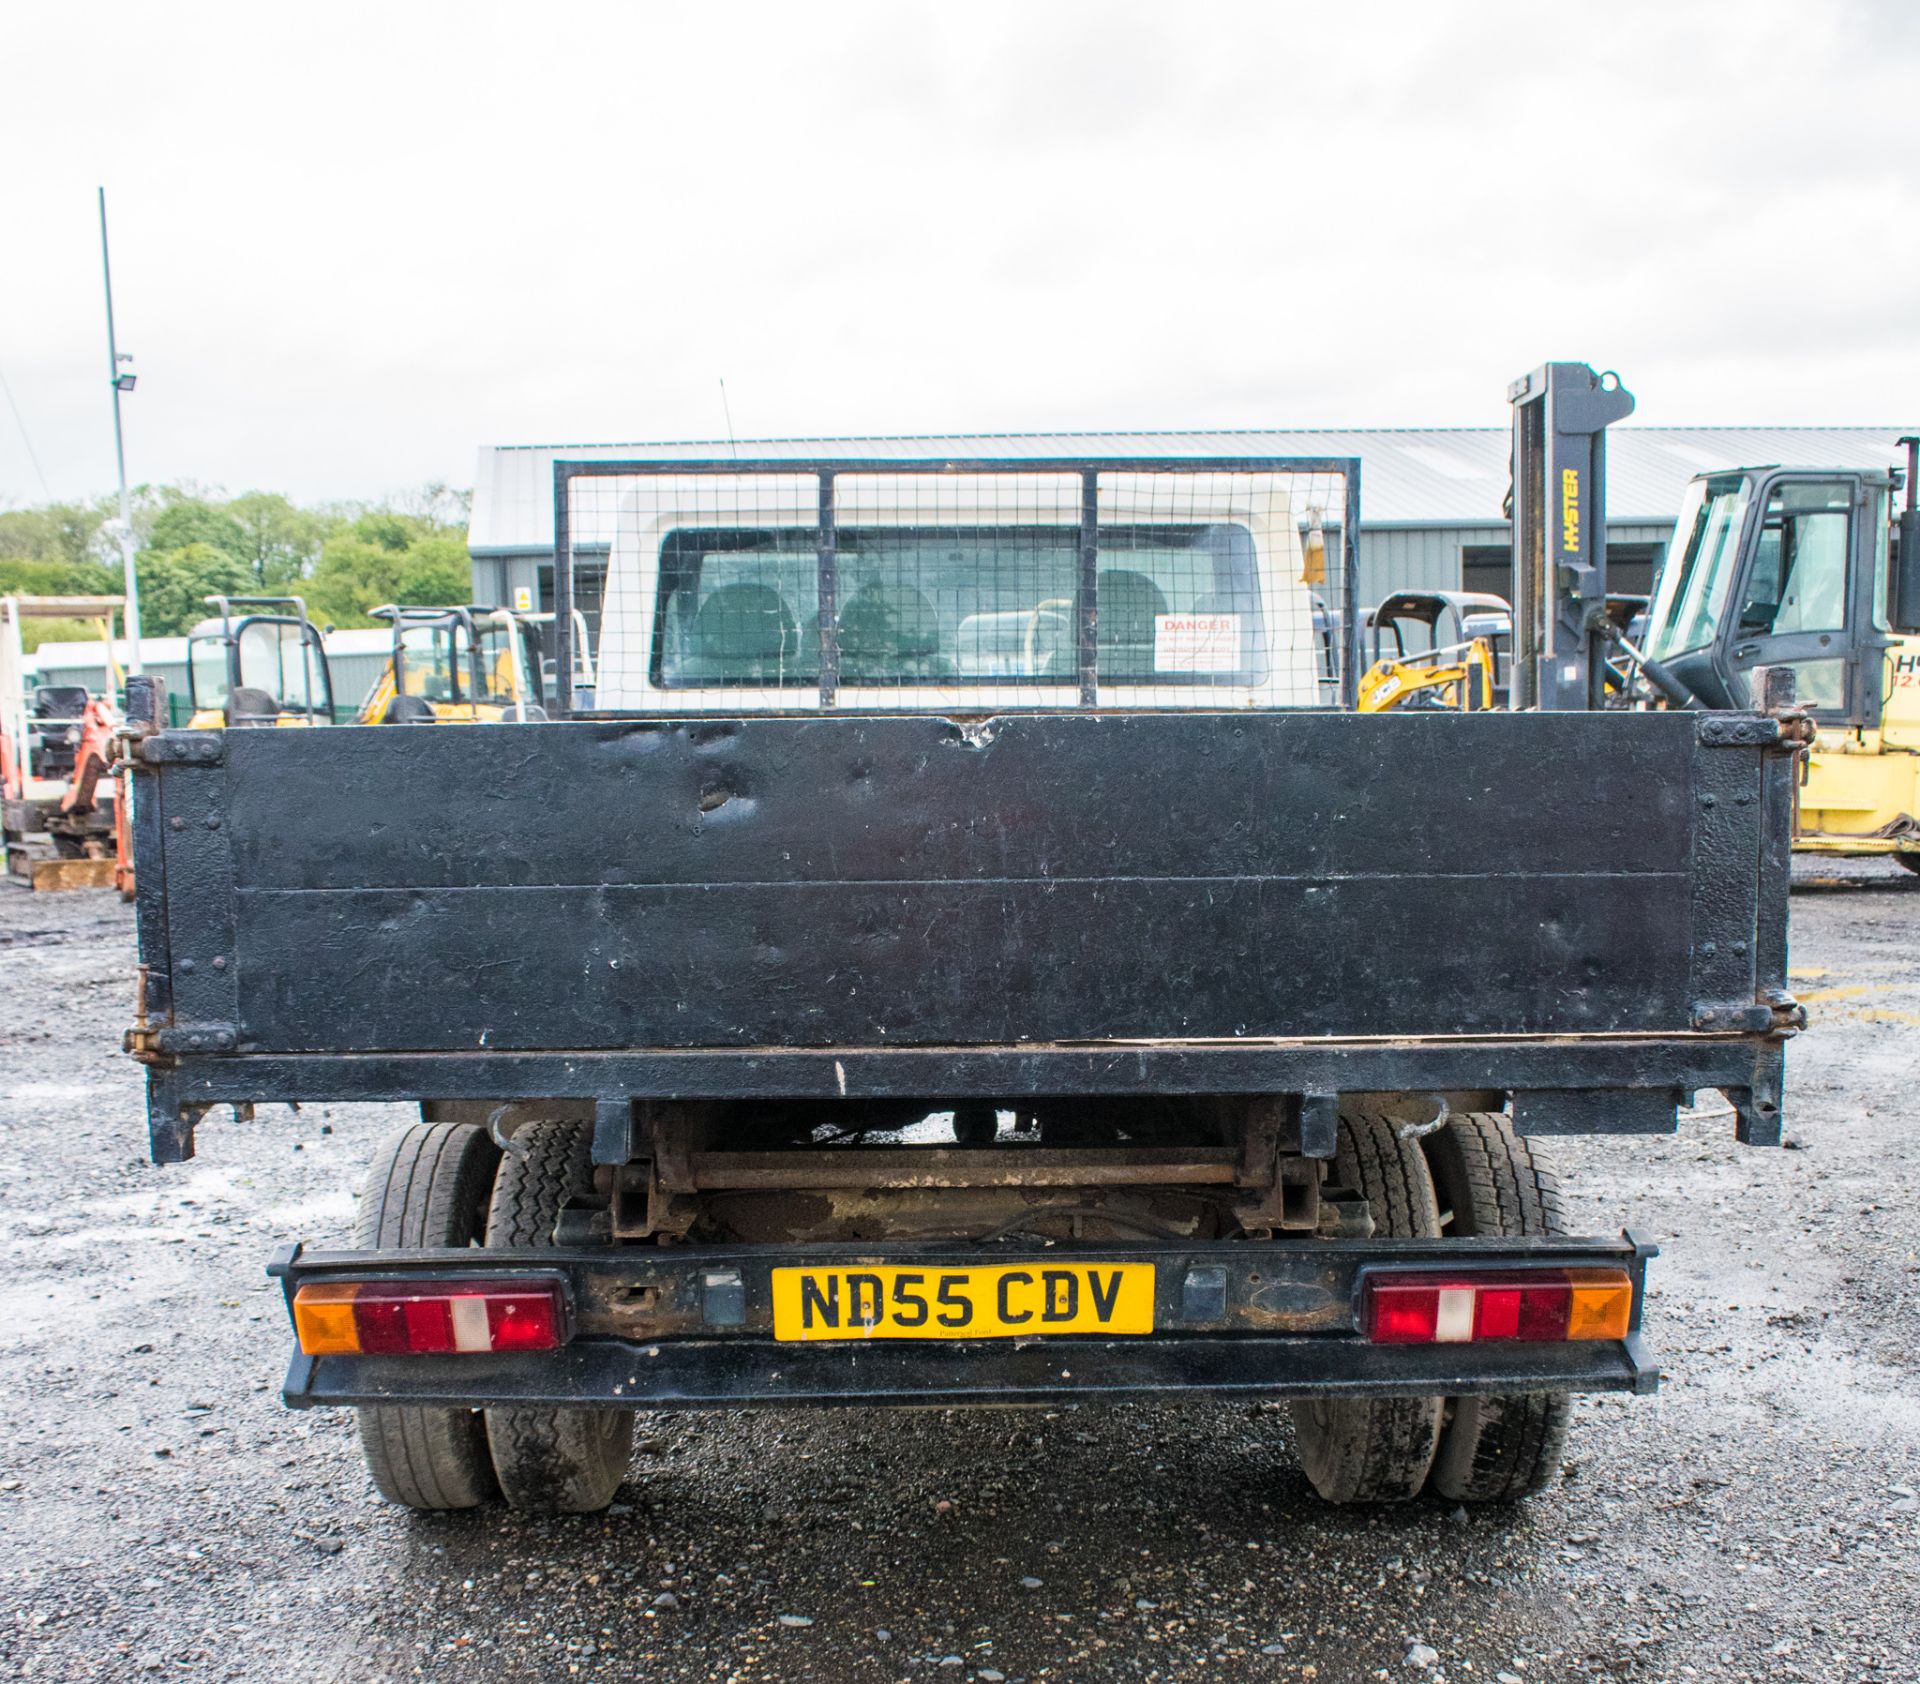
(122, 382)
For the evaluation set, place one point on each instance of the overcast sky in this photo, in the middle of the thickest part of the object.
(354, 242)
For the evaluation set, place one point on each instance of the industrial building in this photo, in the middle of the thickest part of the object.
(1430, 497)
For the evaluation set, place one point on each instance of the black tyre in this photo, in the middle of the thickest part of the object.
(1375, 1450)
(551, 1461)
(975, 1125)
(1489, 1181)
(428, 1186)
(1910, 861)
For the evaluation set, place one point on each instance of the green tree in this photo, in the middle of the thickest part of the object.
(174, 586)
(56, 532)
(190, 520)
(194, 542)
(57, 578)
(387, 556)
(280, 541)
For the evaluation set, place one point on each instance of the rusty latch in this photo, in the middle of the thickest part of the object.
(143, 1039)
(1789, 1016)
(1776, 688)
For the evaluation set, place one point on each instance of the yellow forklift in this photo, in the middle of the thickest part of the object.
(1808, 568)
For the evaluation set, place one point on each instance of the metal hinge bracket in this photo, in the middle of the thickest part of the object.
(1738, 730)
(1777, 1014)
(183, 748)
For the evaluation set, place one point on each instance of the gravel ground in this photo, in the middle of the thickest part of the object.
(162, 1515)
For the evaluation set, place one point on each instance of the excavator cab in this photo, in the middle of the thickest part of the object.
(258, 668)
(1799, 567)
(1445, 650)
(462, 665)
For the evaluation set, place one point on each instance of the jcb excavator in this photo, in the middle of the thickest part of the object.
(263, 662)
(1444, 650)
(258, 668)
(1806, 568)
(456, 666)
(55, 745)
(1462, 662)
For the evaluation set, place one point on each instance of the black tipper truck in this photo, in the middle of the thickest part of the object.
(968, 955)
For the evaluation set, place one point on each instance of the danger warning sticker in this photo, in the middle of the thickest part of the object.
(1196, 642)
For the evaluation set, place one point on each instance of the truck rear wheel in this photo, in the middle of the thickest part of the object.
(1375, 1450)
(1493, 1449)
(428, 1186)
(551, 1461)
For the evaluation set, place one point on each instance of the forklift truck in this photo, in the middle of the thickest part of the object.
(837, 851)
(1808, 568)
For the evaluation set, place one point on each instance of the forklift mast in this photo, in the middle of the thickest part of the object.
(1561, 412)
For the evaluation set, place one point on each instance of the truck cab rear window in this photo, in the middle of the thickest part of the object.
(939, 605)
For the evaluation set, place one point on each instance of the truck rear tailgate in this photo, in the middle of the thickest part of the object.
(909, 904)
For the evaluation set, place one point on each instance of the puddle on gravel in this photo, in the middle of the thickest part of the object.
(327, 1213)
(59, 1307)
(53, 1093)
(1853, 1399)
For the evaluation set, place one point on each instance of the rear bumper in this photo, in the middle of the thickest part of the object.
(691, 1328)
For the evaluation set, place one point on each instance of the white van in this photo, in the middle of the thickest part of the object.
(959, 592)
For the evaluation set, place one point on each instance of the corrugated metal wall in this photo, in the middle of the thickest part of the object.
(353, 676)
(92, 673)
(353, 670)
(1414, 558)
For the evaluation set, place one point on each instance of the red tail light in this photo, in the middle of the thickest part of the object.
(419, 1318)
(1541, 1306)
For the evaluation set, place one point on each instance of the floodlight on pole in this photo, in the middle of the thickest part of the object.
(121, 382)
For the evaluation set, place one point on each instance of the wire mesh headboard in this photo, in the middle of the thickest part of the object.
(729, 585)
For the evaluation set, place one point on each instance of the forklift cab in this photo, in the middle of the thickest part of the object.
(1781, 567)
(461, 665)
(269, 668)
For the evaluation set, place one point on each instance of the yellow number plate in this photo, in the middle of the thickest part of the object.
(1003, 1302)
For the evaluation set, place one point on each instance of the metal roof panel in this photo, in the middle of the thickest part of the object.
(1433, 476)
